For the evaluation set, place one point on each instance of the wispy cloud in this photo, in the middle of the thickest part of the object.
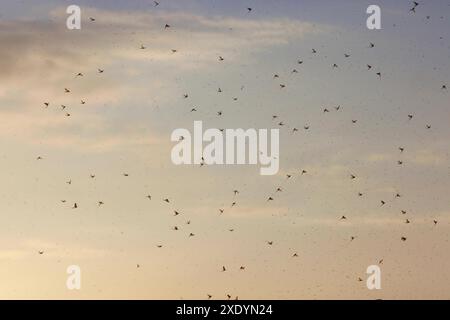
(40, 58)
(31, 247)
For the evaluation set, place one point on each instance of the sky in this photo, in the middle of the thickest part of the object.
(132, 107)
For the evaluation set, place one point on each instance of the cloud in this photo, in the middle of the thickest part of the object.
(370, 221)
(426, 157)
(31, 246)
(40, 58)
(379, 157)
(421, 157)
(41, 48)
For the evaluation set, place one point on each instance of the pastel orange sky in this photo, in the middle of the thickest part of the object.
(131, 108)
